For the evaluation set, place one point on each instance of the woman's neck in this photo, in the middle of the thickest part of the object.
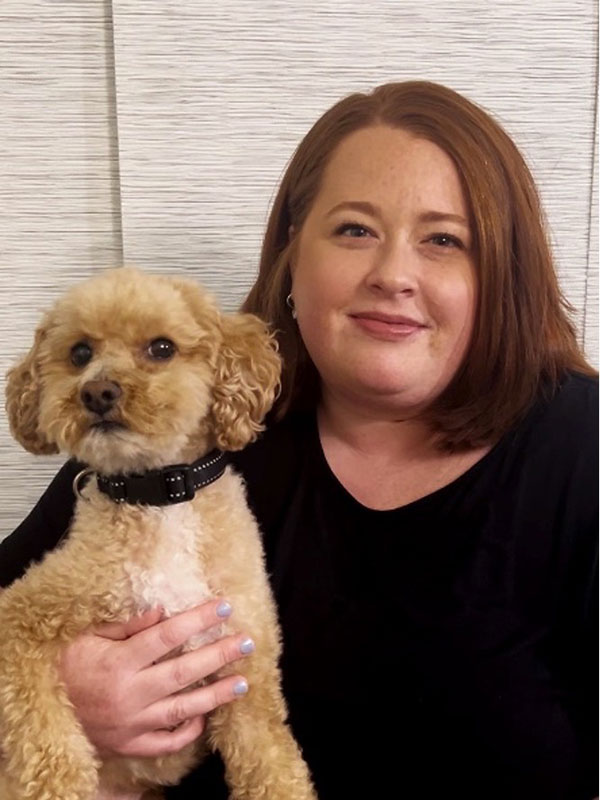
(372, 431)
(384, 460)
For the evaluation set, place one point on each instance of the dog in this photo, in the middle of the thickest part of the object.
(130, 373)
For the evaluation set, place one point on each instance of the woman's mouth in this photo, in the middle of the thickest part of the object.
(387, 326)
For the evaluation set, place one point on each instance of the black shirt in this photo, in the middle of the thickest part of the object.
(447, 647)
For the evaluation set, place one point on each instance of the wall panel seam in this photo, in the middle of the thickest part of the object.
(111, 79)
(591, 221)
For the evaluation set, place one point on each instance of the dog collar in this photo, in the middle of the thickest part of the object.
(166, 486)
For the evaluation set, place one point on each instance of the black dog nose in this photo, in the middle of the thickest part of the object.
(100, 396)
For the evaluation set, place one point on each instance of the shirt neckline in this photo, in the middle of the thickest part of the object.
(428, 499)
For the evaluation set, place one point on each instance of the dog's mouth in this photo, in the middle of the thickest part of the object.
(107, 426)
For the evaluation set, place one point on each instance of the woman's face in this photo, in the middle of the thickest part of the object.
(383, 277)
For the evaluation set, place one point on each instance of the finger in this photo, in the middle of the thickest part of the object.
(180, 708)
(163, 742)
(124, 630)
(168, 677)
(160, 639)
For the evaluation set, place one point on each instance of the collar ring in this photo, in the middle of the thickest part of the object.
(81, 476)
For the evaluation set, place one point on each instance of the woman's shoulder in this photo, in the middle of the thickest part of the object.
(271, 464)
(550, 461)
(577, 393)
(566, 418)
(280, 442)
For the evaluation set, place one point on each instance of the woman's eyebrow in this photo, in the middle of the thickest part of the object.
(425, 216)
(442, 216)
(354, 205)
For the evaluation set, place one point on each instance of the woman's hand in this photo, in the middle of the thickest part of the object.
(130, 706)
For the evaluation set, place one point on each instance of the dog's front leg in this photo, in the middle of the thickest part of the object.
(45, 754)
(262, 759)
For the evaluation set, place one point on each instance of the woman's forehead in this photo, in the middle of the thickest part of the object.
(381, 165)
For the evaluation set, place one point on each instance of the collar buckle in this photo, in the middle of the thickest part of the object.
(179, 483)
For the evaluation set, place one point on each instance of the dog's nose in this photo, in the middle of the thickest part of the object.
(100, 396)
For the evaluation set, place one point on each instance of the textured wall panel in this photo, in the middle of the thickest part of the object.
(59, 216)
(213, 98)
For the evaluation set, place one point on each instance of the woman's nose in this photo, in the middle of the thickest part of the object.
(395, 270)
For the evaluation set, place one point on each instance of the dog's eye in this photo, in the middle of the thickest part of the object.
(81, 354)
(161, 349)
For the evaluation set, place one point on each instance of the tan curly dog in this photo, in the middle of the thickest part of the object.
(189, 379)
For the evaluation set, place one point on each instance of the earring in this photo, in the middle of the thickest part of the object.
(289, 301)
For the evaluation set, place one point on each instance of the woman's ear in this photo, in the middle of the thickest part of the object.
(23, 393)
(247, 380)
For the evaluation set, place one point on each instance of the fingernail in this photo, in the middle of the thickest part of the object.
(224, 609)
(247, 646)
(241, 687)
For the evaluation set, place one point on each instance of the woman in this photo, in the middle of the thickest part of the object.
(426, 486)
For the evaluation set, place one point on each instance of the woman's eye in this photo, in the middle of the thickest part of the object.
(352, 229)
(161, 349)
(446, 240)
(81, 354)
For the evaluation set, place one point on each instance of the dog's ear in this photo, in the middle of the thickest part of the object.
(23, 390)
(247, 380)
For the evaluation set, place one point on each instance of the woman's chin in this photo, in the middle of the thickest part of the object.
(390, 392)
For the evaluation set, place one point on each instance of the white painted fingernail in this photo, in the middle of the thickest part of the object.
(241, 687)
(224, 609)
(247, 646)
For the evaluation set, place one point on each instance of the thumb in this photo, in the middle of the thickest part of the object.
(124, 630)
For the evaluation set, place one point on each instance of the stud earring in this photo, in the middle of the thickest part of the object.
(289, 301)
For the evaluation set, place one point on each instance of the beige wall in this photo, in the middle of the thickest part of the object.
(155, 133)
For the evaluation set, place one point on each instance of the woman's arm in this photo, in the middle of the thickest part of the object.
(42, 529)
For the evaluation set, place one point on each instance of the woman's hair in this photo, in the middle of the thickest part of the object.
(522, 340)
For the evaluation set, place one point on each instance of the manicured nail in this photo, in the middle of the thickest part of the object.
(247, 646)
(241, 687)
(224, 609)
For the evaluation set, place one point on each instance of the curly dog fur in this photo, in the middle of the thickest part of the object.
(122, 559)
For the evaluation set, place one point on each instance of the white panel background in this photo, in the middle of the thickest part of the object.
(157, 132)
(59, 209)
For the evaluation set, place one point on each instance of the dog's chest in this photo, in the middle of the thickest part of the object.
(171, 573)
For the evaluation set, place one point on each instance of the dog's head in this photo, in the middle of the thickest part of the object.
(131, 371)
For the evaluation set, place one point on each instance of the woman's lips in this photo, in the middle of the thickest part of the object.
(384, 326)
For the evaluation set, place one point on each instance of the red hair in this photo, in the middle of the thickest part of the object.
(522, 341)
